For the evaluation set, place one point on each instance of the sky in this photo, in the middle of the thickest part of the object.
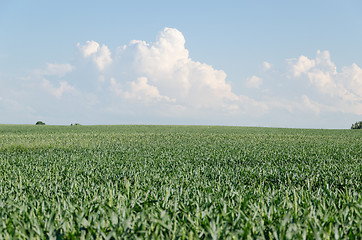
(292, 64)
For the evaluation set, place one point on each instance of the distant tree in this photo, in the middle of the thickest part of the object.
(357, 125)
(39, 123)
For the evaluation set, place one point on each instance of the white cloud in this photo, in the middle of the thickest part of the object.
(266, 66)
(165, 66)
(303, 65)
(162, 71)
(53, 69)
(139, 90)
(100, 55)
(351, 76)
(323, 61)
(342, 90)
(159, 81)
(142, 91)
(254, 82)
(90, 48)
(57, 92)
(58, 70)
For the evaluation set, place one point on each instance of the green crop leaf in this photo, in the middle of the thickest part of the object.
(175, 182)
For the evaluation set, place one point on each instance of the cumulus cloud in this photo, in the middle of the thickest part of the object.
(342, 89)
(54, 69)
(100, 55)
(160, 79)
(254, 82)
(266, 66)
(57, 91)
(354, 76)
(163, 71)
(139, 90)
(302, 65)
(42, 76)
(167, 65)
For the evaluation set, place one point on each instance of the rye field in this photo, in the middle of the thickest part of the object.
(179, 182)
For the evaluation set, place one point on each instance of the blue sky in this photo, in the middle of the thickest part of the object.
(247, 63)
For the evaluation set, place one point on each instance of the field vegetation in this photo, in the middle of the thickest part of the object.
(179, 182)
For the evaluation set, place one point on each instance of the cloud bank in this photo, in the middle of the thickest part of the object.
(158, 82)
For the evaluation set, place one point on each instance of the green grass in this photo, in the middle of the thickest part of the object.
(179, 182)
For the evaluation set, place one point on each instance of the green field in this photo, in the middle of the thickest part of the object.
(179, 182)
